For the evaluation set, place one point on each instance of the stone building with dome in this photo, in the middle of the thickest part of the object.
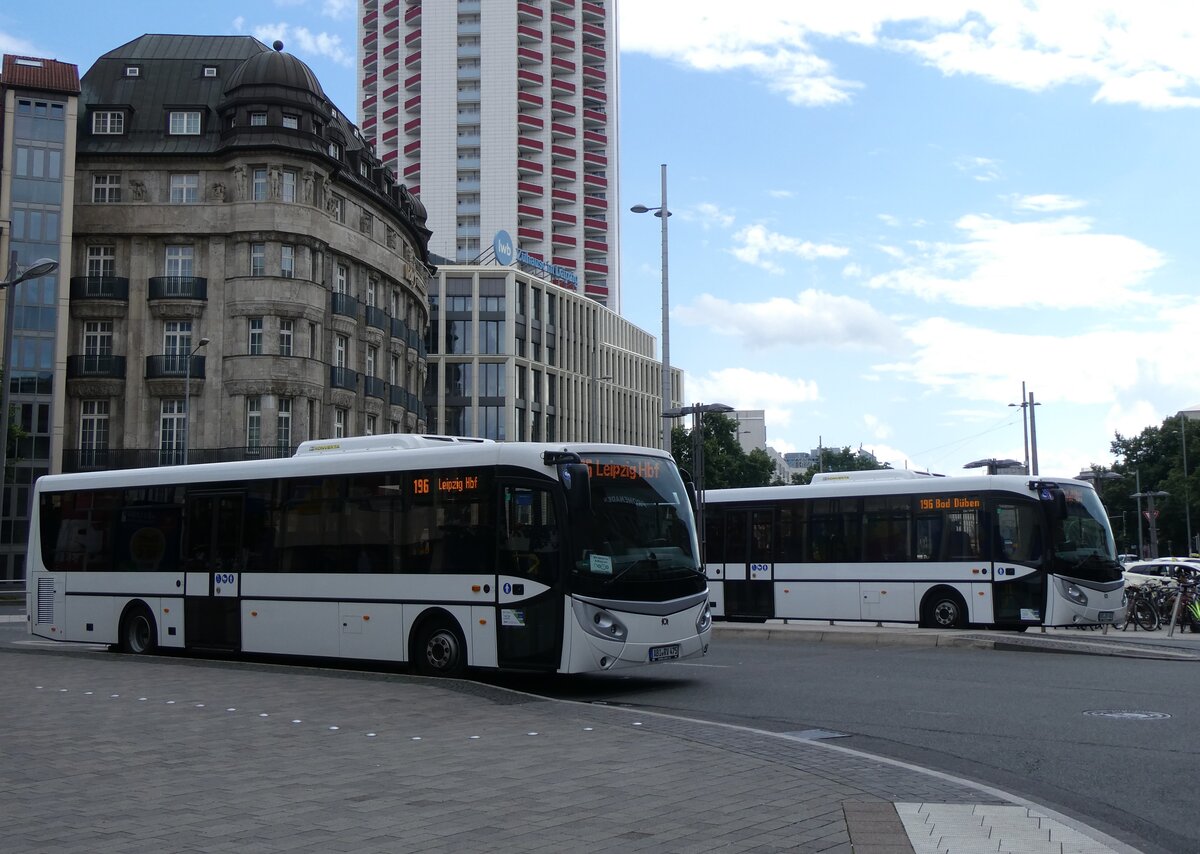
(245, 274)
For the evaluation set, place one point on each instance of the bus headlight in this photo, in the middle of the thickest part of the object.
(599, 622)
(703, 620)
(1075, 594)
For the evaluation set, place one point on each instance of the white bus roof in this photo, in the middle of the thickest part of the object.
(848, 487)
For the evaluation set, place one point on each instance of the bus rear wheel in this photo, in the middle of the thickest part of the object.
(944, 609)
(138, 635)
(441, 650)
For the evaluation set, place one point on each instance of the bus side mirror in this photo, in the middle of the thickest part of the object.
(690, 488)
(576, 484)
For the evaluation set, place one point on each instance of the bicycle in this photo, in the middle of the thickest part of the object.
(1140, 610)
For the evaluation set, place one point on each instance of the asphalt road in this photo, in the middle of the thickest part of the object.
(1024, 722)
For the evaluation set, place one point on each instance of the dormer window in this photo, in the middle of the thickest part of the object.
(335, 151)
(133, 71)
(290, 121)
(258, 119)
(108, 122)
(210, 71)
(364, 169)
(184, 123)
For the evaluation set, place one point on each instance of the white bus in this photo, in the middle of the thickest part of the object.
(443, 553)
(896, 546)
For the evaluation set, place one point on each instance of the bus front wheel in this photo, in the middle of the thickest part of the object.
(944, 609)
(139, 635)
(441, 650)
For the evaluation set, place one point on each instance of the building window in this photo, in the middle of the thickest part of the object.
(258, 259)
(184, 123)
(98, 338)
(179, 261)
(170, 432)
(290, 121)
(255, 343)
(258, 119)
(177, 343)
(283, 423)
(287, 261)
(108, 122)
(314, 340)
(372, 425)
(101, 261)
(372, 359)
(394, 370)
(253, 422)
(185, 189)
(210, 71)
(341, 281)
(133, 71)
(258, 190)
(339, 423)
(93, 432)
(335, 151)
(341, 347)
(285, 337)
(337, 207)
(491, 336)
(372, 291)
(106, 189)
(287, 191)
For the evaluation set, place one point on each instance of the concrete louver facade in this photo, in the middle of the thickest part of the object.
(221, 196)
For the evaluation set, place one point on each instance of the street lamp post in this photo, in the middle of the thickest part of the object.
(662, 212)
(1024, 404)
(187, 400)
(697, 411)
(39, 268)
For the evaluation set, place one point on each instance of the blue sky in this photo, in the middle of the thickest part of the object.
(888, 214)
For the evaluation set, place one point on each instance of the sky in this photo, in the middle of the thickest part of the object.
(887, 215)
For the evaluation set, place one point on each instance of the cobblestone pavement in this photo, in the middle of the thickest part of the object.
(108, 753)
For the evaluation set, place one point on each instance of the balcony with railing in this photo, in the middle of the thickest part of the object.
(528, 35)
(528, 12)
(592, 11)
(399, 329)
(377, 317)
(375, 387)
(178, 287)
(100, 287)
(529, 145)
(561, 23)
(343, 304)
(343, 378)
(174, 366)
(529, 56)
(96, 366)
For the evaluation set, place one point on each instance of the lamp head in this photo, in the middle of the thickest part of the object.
(641, 209)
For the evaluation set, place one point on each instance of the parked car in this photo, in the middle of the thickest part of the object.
(1161, 569)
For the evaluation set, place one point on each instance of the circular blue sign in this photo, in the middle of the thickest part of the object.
(502, 245)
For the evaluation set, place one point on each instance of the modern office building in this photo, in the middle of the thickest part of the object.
(245, 274)
(502, 116)
(37, 137)
(515, 357)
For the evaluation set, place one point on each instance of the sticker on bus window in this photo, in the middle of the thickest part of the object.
(1030, 614)
(512, 617)
(600, 564)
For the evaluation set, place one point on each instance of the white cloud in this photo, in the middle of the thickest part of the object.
(14, 46)
(982, 169)
(301, 40)
(758, 245)
(707, 215)
(238, 24)
(853, 271)
(781, 194)
(889, 220)
(338, 9)
(876, 428)
(812, 319)
(1143, 53)
(1047, 203)
(1053, 263)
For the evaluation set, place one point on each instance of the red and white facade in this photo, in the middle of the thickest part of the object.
(501, 116)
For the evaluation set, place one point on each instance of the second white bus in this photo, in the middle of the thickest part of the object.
(896, 546)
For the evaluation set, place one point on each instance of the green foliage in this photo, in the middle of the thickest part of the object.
(725, 463)
(1154, 458)
(834, 459)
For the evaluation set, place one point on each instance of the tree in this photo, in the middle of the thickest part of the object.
(725, 463)
(833, 459)
(1154, 458)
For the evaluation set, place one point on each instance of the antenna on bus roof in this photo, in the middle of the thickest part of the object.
(383, 442)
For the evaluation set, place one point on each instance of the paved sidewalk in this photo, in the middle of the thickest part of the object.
(107, 753)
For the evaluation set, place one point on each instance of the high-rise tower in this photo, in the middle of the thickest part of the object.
(501, 116)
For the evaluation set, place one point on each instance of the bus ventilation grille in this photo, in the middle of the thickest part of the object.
(45, 605)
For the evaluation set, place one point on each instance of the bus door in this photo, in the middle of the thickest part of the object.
(529, 578)
(749, 564)
(213, 562)
(1019, 579)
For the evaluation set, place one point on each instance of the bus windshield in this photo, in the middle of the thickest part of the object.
(1084, 547)
(640, 539)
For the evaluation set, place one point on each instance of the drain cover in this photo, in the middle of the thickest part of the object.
(1128, 714)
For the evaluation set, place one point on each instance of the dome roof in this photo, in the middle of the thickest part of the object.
(275, 68)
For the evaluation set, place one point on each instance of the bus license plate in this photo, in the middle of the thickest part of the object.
(1105, 616)
(664, 653)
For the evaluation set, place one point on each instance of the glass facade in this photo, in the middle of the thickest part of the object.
(39, 139)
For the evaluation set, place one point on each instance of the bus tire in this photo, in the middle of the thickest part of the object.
(440, 649)
(138, 634)
(943, 608)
